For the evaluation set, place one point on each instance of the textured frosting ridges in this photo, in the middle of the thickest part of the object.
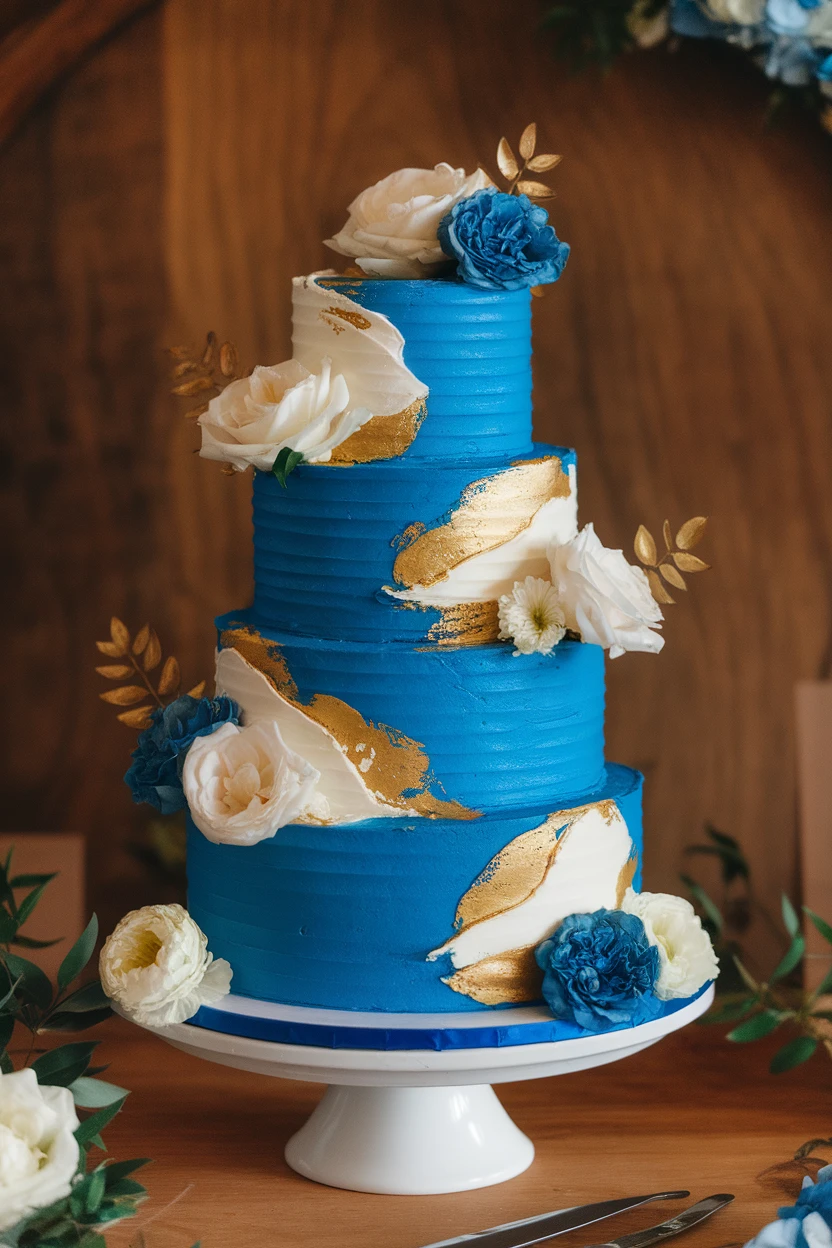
(344, 917)
(498, 732)
(472, 349)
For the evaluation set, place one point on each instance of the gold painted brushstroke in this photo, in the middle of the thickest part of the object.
(466, 624)
(383, 437)
(400, 769)
(507, 977)
(427, 555)
(625, 879)
(356, 319)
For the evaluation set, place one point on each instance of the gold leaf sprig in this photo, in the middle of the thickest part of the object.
(676, 559)
(516, 174)
(139, 655)
(204, 375)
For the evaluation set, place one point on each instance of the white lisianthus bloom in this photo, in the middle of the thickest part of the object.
(531, 616)
(604, 598)
(156, 967)
(242, 784)
(686, 956)
(739, 12)
(38, 1150)
(392, 227)
(282, 405)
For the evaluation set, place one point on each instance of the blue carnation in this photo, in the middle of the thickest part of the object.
(155, 775)
(502, 242)
(790, 1231)
(600, 971)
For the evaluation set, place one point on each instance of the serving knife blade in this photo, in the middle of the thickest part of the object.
(673, 1226)
(547, 1225)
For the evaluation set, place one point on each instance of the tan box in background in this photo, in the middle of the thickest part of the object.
(61, 910)
(813, 707)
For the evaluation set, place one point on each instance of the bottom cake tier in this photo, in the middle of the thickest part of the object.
(413, 914)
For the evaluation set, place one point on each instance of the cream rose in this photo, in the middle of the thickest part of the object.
(686, 957)
(242, 784)
(38, 1150)
(282, 405)
(604, 598)
(156, 967)
(392, 227)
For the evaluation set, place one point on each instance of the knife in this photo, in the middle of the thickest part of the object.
(682, 1222)
(547, 1225)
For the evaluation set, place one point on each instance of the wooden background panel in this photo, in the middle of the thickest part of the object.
(194, 166)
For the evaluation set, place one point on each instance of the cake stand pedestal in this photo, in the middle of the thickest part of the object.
(412, 1121)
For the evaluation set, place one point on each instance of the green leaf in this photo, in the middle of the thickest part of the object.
(34, 986)
(60, 1021)
(92, 1239)
(824, 986)
(710, 908)
(79, 955)
(793, 955)
(91, 997)
(7, 997)
(61, 1067)
(95, 1093)
(88, 1131)
(790, 920)
(8, 928)
(29, 902)
(286, 462)
(754, 1028)
(29, 880)
(6, 1064)
(29, 942)
(823, 927)
(6, 1029)
(733, 1010)
(95, 1191)
(126, 1187)
(793, 1054)
(120, 1169)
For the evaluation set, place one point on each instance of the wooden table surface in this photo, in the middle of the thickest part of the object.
(692, 1112)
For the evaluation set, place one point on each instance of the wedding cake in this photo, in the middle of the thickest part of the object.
(397, 799)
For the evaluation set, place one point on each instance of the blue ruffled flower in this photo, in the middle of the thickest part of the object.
(805, 1224)
(155, 775)
(600, 971)
(791, 60)
(502, 242)
(787, 17)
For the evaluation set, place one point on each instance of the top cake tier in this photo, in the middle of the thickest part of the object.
(468, 353)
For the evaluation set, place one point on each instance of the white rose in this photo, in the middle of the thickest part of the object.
(686, 957)
(157, 968)
(242, 784)
(819, 29)
(741, 12)
(604, 598)
(282, 405)
(392, 227)
(38, 1150)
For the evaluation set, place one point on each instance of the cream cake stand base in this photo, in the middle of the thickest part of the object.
(417, 1121)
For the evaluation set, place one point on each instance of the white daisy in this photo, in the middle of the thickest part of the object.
(531, 616)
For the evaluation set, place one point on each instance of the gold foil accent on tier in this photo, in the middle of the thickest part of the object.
(625, 879)
(383, 437)
(513, 497)
(466, 624)
(399, 773)
(344, 314)
(509, 977)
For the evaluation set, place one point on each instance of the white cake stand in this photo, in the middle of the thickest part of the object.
(415, 1121)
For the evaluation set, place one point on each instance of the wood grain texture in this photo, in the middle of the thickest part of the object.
(217, 1138)
(189, 171)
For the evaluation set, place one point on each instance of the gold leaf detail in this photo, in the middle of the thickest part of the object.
(120, 635)
(657, 589)
(667, 535)
(528, 141)
(689, 563)
(535, 190)
(466, 624)
(356, 319)
(125, 696)
(645, 546)
(114, 671)
(210, 352)
(229, 360)
(110, 649)
(169, 680)
(197, 690)
(383, 437)
(672, 577)
(691, 533)
(540, 164)
(625, 879)
(186, 389)
(141, 640)
(140, 718)
(506, 160)
(153, 653)
(507, 977)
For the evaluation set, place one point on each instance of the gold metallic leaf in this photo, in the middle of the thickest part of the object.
(645, 546)
(506, 160)
(141, 639)
(229, 360)
(115, 671)
(672, 577)
(179, 353)
(667, 535)
(196, 385)
(657, 589)
(139, 718)
(153, 653)
(120, 635)
(182, 369)
(689, 563)
(228, 470)
(110, 649)
(210, 352)
(535, 190)
(691, 533)
(197, 690)
(125, 696)
(507, 977)
(528, 141)
(539, 164)
(538, 291)
(169, 680)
